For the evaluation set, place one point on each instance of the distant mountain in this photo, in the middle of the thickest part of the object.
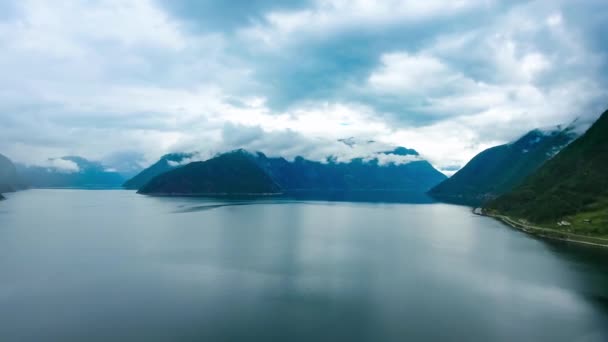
(9, 180)
(572, 186)
(359, 174)
(233, 173)
(70, 172)
(128, 163)
(402, 151)
(166, 163)
(397, 170)
(499, 169)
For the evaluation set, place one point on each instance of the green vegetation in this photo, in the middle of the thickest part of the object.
(558, 233)
(230, 174)
(571, 187)
(499, 169)
(241, 172)
(593, 221)
(166, 163)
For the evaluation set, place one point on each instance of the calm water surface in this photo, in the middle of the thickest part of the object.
(113, 265)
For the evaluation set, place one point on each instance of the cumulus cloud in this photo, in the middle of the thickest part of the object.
(99, 78)
(406, 75)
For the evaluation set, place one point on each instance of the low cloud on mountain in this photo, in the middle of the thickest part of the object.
(148, 77)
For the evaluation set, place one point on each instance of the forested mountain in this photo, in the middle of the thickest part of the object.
(281, 175)
(501, 168)
(228, 174)
(166, 163)
(572, 186)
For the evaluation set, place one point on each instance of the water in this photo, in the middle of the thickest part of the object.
(116, 266)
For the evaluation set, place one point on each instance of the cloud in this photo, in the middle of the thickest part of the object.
(331, 17)
(403, 74)
(60, 165)
(387, 159)
(225, 16)
(290, 144)
(105, 77)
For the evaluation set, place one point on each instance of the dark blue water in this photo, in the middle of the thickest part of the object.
(116, 266)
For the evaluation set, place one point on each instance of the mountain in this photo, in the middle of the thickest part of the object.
(231, 174)
(572, 186)
(9, 180)
(406, 172)
(127, 163)
(499, 169)
(415, 175)
(166, 163)
(70, 172)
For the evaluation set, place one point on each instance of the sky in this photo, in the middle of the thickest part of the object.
(125, 81)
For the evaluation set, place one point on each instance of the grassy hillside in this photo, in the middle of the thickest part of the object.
(499, 169)
(572, 186)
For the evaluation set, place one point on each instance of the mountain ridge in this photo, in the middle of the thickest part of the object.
(305, 175)
(163, 165)
(571, 187)
(228, 174)
(9, 178)
(70, 172)
(499, 169)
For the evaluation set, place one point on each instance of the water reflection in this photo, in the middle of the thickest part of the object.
(101, 266)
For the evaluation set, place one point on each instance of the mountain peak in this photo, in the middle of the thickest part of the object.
(499, 169)
(572, 184)
(402, 151)
(177, 156)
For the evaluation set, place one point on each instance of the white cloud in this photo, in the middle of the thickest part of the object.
(555, 19)
(404, 74)
(327, 17)
(386, 159)
(60, 165)
(97, 77)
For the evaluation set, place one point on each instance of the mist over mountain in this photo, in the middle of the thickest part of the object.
(501, 168)
(166, 163)
(396, 170)
(233, 173)
(70, 172)
(126, 163)
(9, 179)
(400, 169)
(303, 170)
(573, 186)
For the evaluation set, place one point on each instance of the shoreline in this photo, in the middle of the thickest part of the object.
(212, 194)
(549, 233)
